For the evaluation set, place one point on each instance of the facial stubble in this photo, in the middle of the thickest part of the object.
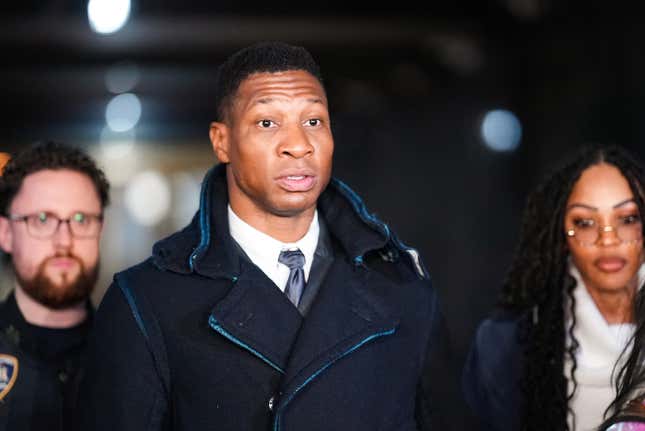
(68, 292)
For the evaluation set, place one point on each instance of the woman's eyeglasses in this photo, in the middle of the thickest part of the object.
(587, 231)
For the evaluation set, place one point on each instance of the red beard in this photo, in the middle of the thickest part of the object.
(59, 296)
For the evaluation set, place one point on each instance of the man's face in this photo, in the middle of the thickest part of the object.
(61, 270)
(278, 144)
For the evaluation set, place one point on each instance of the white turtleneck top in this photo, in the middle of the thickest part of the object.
(600, 347)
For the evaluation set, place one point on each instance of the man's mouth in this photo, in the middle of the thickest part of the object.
(62, 263)
(297, 183)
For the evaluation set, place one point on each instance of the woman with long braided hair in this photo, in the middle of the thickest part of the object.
(545, 359)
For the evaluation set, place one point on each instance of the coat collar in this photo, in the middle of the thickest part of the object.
(205, 246)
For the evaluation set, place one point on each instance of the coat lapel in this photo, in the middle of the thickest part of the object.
(347, 313)
(257, 316)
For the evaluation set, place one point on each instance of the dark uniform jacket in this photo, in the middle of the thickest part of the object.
(198, 338)
(40, 369)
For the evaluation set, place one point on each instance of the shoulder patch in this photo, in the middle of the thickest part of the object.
(8, 374)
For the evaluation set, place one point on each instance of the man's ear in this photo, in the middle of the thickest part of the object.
(220, 141)
(6, 236)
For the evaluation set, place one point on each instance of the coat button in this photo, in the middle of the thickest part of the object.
(271, 403)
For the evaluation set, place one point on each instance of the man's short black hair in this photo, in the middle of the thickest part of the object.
(44, 155)
(260, 57)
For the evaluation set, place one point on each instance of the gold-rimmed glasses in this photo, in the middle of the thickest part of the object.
(587, 231)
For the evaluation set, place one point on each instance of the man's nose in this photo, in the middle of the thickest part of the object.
(63, 237)
(296, 143)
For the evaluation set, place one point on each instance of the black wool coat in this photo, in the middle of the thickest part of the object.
(197, 338)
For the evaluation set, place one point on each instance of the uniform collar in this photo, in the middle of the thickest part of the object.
(40, 341)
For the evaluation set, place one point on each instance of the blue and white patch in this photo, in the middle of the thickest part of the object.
(8, 374)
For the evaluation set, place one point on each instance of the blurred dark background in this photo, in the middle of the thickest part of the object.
(445, 113)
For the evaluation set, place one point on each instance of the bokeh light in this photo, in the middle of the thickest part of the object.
(108, 16)
(4, 158)
(122, 77)
(123, 112)
(501, 130)
(147, 198)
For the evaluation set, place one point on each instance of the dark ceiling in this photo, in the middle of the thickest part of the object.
(397, 56)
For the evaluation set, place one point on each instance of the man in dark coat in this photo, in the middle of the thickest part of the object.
(51, 204)
(285, 304)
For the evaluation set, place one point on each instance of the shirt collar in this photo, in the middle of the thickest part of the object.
(264, 250)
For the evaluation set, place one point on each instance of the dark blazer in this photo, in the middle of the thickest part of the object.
(198, 338)
(491, 375)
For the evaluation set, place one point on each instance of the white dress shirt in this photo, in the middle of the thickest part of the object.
(264, 250)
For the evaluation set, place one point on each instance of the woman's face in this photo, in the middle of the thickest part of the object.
(601, 202)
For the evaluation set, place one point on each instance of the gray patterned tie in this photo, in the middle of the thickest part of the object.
(295, 261)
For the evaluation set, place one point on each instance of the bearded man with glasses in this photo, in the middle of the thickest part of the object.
(52, 199)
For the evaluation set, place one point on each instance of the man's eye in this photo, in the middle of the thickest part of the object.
(265, 123)
(313, 122)
(42, 218)
(79, 218)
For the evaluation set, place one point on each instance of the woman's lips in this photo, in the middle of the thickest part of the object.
(610, 264)
(297, 183)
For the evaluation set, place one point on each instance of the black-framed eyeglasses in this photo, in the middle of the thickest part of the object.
(44, 224)
(587, 231)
